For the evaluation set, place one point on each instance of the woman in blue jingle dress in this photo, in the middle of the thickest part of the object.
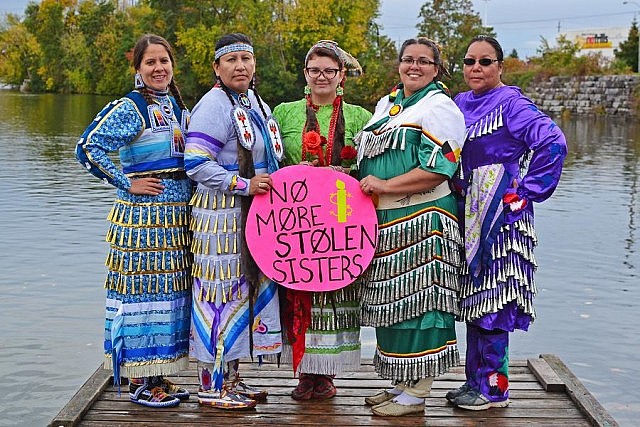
(148, 285)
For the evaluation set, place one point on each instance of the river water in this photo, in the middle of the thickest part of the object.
(52, 251)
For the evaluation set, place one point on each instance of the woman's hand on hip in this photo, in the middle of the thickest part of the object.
(146, 187)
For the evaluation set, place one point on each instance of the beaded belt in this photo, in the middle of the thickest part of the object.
(393, 201)
(165, 175)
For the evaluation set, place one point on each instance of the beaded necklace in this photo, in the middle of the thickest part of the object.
(332, 129)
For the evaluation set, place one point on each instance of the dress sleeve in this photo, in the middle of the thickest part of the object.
(548, 149)
(117, 125)
(210, 128)
(355, 122)
(442, 137)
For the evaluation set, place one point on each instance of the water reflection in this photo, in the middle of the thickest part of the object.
(51, 261)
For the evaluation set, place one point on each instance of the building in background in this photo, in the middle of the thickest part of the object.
(602, 40)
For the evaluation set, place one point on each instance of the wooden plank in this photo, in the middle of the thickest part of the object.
(531, 404)
(547, 376)
(594, 411)
(71, 414)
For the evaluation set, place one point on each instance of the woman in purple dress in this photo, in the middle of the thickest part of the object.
(512, 156)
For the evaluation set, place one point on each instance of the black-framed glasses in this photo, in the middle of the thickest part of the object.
(422, 62)
(485, 62)
(328, 73)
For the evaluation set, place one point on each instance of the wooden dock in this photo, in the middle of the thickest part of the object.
(543, 392)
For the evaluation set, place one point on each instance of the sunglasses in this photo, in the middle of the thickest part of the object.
(485, 62)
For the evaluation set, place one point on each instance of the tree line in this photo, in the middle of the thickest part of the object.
(84, 46)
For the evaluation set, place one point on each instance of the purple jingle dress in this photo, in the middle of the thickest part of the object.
(512, 152)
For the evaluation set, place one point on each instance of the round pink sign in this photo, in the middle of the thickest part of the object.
(314, 231)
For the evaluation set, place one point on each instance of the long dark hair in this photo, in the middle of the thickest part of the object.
(138, 53)
(246, 169)
(437, 58)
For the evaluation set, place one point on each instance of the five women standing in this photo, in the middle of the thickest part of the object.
(407, 154)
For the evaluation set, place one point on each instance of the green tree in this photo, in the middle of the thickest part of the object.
(628, 50)
(514, 54)
(49, 31)
(380, 64)
(452, 24)
(19, 53)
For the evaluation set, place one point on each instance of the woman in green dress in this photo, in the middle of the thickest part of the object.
(322, 328)
(407, 153)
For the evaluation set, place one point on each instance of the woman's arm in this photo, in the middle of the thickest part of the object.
(414, 181)
(117, 125)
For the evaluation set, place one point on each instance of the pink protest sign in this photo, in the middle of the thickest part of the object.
(314, 231)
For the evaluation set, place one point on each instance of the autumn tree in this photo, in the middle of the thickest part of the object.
(627, 50)
(19, 52)
(452, 24)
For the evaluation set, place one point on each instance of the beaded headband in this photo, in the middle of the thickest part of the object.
(235, 47)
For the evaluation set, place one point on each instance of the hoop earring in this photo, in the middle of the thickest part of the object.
(307, 90)
(138, 82)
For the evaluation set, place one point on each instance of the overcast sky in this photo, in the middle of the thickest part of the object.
(518, 23)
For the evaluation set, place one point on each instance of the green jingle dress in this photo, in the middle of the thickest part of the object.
(410, 289)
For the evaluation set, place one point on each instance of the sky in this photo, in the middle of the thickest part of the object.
(519, 24)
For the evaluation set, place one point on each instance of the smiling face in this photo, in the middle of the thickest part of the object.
(481, 78)
(416, 76)
(322, 86)
(156, 68)
(236, 70)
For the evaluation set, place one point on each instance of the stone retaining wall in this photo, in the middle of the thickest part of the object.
(609, 95)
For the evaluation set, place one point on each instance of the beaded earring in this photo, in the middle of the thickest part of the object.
(138, 82)
(307, 90)
(339, 91)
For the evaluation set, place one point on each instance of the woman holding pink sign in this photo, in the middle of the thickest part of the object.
(232, 146)
(322, 328)
(407, 153)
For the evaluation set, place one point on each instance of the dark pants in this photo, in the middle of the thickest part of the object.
(487, 364)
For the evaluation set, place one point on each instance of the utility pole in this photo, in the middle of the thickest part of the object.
(486, 20)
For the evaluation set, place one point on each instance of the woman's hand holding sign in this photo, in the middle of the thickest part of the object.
(260, 184)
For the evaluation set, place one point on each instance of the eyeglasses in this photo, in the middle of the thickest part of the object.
(485, 62)
(328, 73)
(422, 62)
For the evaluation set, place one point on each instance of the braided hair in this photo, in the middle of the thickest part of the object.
(138, 52)
(246, 169)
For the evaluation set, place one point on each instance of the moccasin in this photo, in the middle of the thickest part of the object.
(379, 398)
(304, 389)
(324, 387)
(394, 409)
